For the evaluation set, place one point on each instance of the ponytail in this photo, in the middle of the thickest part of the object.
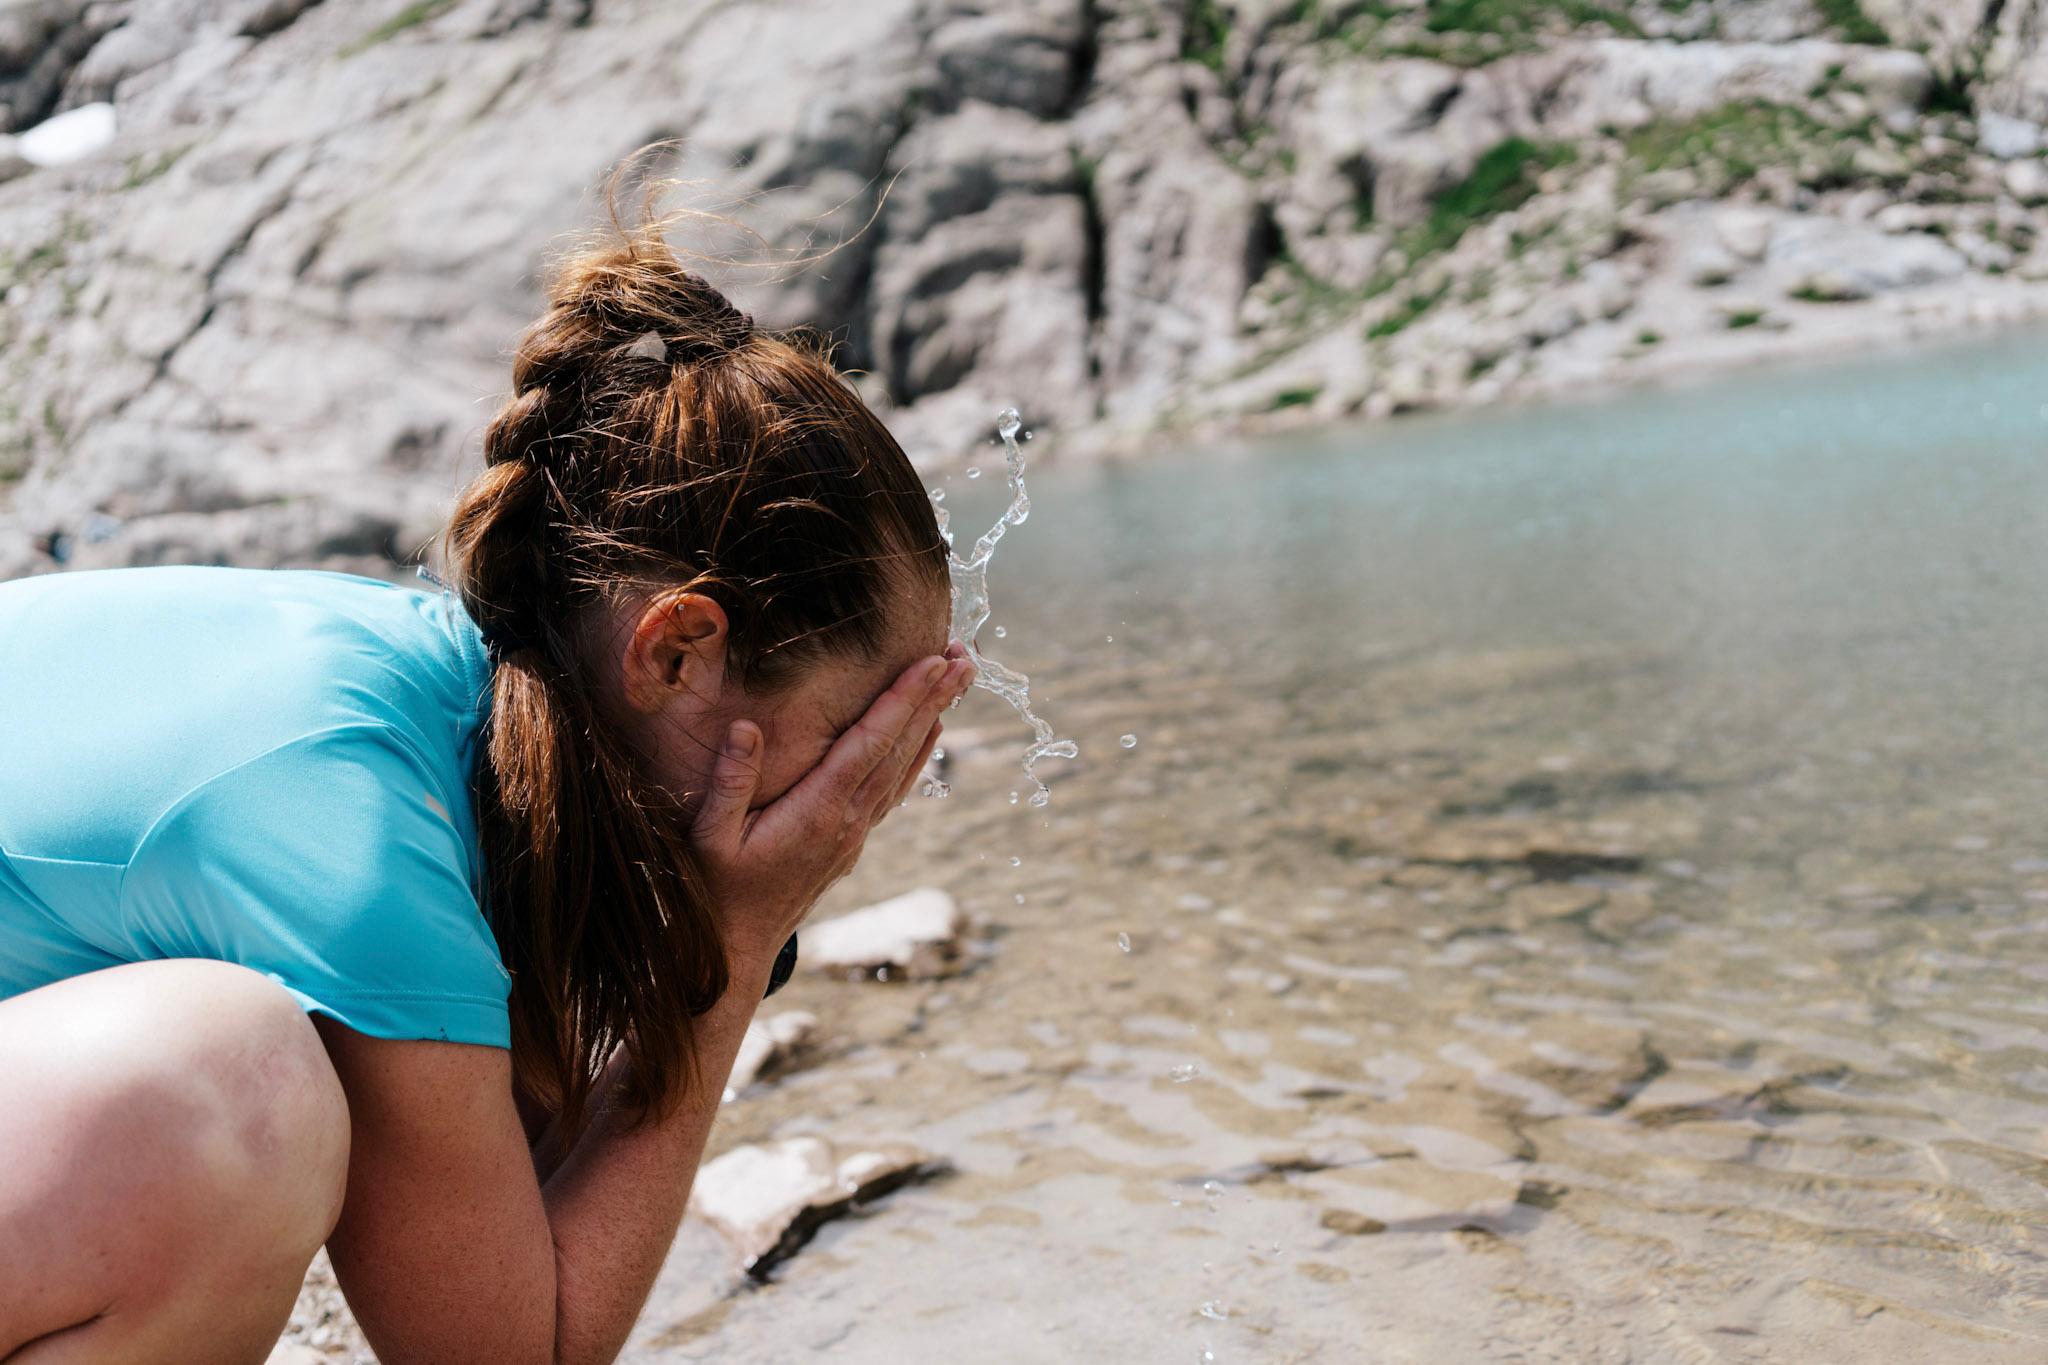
(653, 438)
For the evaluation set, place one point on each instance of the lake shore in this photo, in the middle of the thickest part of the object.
(1610, 364)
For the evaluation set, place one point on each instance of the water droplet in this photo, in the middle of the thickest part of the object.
(1041, 797)
(938, 755)
(1129, 741)
(938, 494)
(1019, 898)
(1215, 1311)
(1123, 941)
(1013, 798)
(934, 788)
(881, 973)
(1109, 639)
(1027, 435)
(974, 471)
(1212, 1188)
(1016, 861)
(1184, 1073)
(1002, 633)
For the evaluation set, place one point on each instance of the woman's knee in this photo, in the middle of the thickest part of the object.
(279, 1112)
(190, 1105)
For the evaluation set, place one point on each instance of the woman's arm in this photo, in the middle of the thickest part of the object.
(450, 1247)
(449, 1196)
(620, 1193)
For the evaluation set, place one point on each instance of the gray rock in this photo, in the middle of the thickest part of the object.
(1862, 257)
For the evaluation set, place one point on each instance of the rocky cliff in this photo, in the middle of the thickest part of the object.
(264, 322)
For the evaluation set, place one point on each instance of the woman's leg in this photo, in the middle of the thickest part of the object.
(173, 1150)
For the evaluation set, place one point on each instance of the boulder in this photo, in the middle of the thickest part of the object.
(769, 1199)
(915, 935)
(1860, 257)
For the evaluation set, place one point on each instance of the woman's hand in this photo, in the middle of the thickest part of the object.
(765, 869)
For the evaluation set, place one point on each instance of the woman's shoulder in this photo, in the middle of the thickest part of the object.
(134, 687)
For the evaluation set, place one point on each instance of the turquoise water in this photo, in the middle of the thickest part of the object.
(1585, 877)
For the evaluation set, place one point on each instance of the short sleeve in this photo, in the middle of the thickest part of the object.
(331, 865)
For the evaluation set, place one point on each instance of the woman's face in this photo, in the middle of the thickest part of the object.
(800, 723)
(680, 703)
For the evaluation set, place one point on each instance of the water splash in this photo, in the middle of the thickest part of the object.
(971, 608)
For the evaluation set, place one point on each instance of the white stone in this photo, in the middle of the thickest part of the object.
(70, 136)
(768, 1044)
(2006, 137)
(767, 1199)
(916, 934)
(2027, 181)
(1744, 231)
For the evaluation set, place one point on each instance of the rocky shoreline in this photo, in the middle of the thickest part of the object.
(264, 322)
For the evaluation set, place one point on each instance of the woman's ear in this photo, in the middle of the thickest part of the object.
(676, 651)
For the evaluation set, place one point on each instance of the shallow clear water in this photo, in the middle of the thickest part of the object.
(1585, 878)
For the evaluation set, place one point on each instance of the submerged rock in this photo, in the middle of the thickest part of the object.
(769, 1199)
(915, 935)
(1351, 1223)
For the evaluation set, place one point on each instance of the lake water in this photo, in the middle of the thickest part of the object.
(1586, 877)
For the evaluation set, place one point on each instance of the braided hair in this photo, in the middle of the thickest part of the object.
(654, 438)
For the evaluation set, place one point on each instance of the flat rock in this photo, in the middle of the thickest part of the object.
(915, 935)
(769, 1199)
(768, 1046)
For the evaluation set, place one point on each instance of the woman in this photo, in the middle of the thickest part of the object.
(427, 926)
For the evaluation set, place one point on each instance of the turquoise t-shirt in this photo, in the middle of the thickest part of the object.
(268, 767)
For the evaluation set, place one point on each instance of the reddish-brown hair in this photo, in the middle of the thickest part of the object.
(654, 438)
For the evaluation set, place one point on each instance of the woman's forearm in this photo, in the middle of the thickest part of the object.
(614, 1200)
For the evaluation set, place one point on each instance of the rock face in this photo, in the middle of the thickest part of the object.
(915, 935)
(265, 322)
